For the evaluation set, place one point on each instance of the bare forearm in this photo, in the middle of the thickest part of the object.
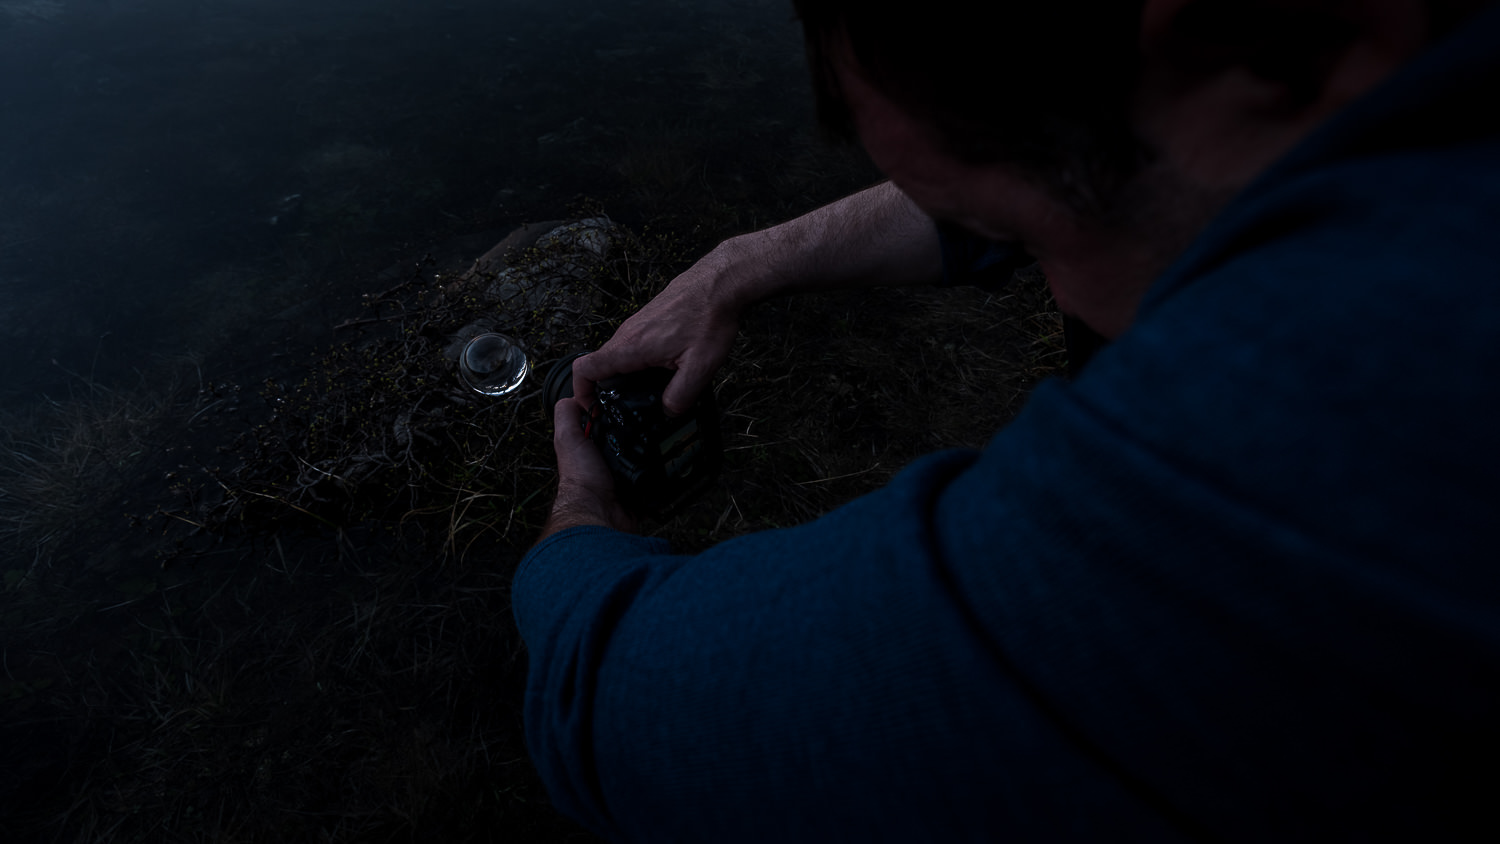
(574, 508)
(875, 237)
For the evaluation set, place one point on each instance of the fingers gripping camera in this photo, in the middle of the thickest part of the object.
(658, 462)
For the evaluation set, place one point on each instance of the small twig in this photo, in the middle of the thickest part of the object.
(840, 477)
(172, 515)
(368, 320)
(322, 471)
(304, 512)
(206, 409)
(756, 445)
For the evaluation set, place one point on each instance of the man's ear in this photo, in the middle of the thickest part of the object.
(1227, 86)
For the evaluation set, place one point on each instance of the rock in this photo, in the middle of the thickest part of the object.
(570, 251)
(538, 275)
(522, 238)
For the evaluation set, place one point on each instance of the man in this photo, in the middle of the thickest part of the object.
(1236, 581)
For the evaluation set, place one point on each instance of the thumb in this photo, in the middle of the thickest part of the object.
(578, 458)
(569, 420)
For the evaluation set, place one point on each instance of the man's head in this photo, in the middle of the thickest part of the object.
(1100, 134)
(1013, 81)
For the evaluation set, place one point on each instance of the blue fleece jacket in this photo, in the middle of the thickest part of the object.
(1238, 581)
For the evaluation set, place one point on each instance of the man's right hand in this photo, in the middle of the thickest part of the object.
(874, 237)
(689, 327)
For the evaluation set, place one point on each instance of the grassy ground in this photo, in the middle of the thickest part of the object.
(271, 603)
(311, 636)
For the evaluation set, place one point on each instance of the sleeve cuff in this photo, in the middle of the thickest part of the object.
(969, 259)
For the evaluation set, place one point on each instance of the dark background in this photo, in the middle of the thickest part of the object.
(194, 195)
(147, 146)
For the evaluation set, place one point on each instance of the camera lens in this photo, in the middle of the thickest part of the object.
(559, 381)
(493, 365)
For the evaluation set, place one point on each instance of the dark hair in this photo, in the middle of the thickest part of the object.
(1044, 84)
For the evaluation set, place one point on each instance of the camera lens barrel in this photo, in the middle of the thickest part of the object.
(559, 382)
(658, 462)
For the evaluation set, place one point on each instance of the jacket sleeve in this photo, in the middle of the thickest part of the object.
(969, 259)
(823, 682)
(1235, 582)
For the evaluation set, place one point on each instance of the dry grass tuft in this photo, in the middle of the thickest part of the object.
(827, 397)
(332, 656)
(381, 429)
(61, 459)
(660, 163)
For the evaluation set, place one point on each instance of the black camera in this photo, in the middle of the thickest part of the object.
(659, 462)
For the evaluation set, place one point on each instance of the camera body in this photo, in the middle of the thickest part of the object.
(658, 462)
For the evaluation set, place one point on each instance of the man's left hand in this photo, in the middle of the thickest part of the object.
(585, 489)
